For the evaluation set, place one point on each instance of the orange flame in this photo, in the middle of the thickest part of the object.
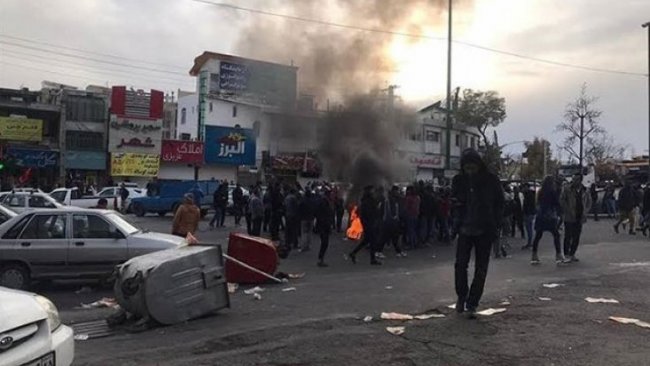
(355, 230)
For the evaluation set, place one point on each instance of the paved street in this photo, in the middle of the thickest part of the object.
(320, 323)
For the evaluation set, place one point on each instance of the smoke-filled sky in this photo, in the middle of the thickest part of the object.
(152, 43)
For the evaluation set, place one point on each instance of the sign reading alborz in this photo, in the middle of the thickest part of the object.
(229, 146)
(132, 135)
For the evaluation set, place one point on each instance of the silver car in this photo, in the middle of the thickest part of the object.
(6, 214)
(23, 201)
(71, 243)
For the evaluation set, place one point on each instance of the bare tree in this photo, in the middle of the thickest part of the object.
(602, 147)
(580, 123)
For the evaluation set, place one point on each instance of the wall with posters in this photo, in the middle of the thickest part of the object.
(134, 165)
(229, 146)
(132, 135)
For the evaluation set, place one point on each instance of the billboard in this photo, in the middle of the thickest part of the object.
(129, 135)
(21, 129)
(134, 165)
(29, 158)
(229, 145)
(189, 152)
(233, 76)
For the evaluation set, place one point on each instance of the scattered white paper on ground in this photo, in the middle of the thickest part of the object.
(544, 299)
(601, 300)
(389, 287)
(396, 330)
(428, 316)
(396, 316)
(104, 302)
(504, 303)
(452, 306)
(288, 289)
(367, 319)
(296, 275)
(80, 337)
(636, 322)
(552, 285)
(253, 290)
(491, 311)
(257, 296)
(232, 287)
(407, 273)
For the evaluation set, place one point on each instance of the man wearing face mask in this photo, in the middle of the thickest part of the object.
(478, 200)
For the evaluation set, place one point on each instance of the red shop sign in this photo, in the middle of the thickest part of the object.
(190, 152)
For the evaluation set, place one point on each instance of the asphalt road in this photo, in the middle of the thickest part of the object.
(320, 323)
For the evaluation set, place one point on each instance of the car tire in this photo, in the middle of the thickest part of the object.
(138, 209)
(162, 213)
(15, 275)
(204, 212)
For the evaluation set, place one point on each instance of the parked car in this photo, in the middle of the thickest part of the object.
(31, 332)
(73, 197)
(170, 196)
(6, 214)
(23, 201)
(71, 243)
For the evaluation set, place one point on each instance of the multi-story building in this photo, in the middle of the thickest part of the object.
(30, 140)
(169, 117)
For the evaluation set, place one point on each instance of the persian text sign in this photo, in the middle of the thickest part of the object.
(129, 135)
(190, 152)
(426, 161)
(230, 146)
(34, 158)
(233, 76)
(134, 165)
(21, 129)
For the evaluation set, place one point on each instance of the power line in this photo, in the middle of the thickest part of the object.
(91, 59)
(95, 69)
(88, 52)
(422, 36)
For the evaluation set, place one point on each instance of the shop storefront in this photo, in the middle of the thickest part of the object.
(36, 168)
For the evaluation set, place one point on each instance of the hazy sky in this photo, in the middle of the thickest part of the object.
(152, 43)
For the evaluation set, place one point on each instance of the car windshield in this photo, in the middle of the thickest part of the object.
(121, 223)
(59, 196)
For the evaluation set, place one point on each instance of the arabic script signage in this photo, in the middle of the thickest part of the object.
(233, 76)
(21, 129)
(134, 165)
(230, 146)
(34, 158)
(189, 152)
(426, 161)
(129, 135)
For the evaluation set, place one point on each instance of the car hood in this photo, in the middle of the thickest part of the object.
(18, 308)
(154, 239)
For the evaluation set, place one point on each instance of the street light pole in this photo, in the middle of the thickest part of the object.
(647, 25)
(448, 107)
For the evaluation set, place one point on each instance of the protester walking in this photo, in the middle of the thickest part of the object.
(517, 213)
(628, 200)
(390, 222)
(412, 212)
(307, 212)
(256, 210)
(593, 193)
(369, 216)
(547, 219)
(610, 201)
(186, 218)
(575, 202)
(339, 210)
(324, 221)
(277, 208)
(238, 203)
(124, 195)
(529, 212)
(478, 199)
(291, 215)
(219, 202)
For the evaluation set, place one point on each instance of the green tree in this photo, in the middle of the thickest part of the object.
(534, 153)
(481, 110)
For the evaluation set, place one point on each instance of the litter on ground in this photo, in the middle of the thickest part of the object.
(288, 289)
(81, 337)
(294, 276)
(396, 316)
(367, 319)
(452, 306)
(544, 299)
(552, 285)
(257, 296)
(428, 316)
(491, 311)
(504, 303)
(396, 330)
(105, 302)
(636, 322)
(601, 300)
(232, 287)
(389, 287)
(253, 290)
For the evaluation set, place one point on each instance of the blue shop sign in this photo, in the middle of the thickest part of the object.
(84, 160)
(229, 146)
(34, 158)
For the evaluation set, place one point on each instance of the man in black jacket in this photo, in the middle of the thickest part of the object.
(478, 199)
(369, 215)
(529, 212)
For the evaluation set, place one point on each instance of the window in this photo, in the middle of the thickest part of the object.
(17, 228)
(234, 111)
(457, 140)
(473, 143)
(186, 137)
(432, 136)
(183, 116)
(92, 227)
(59, 196)
(45, 227)
(83, 140)
(465, 141)
(15, 200)
(40, 202)
(3, 218)
(210, 106)
(107, 193)
(416, 136)
(86, 109)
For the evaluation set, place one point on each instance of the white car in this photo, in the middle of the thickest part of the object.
(23, 201)
(31, 332)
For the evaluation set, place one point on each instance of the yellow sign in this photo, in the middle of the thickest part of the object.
(134, 165)
(21, 129)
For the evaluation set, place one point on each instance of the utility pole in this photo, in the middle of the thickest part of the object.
(544, 158)
(647, 25)
(582, 137)
(448, 107)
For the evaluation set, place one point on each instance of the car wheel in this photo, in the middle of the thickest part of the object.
(14, 275)
(162, 213)
(204, 213)
(138, 209)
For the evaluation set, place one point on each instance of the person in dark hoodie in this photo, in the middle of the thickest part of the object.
(478, 199)
(369, 215)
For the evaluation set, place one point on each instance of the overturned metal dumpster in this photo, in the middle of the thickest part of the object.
(174, 285)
